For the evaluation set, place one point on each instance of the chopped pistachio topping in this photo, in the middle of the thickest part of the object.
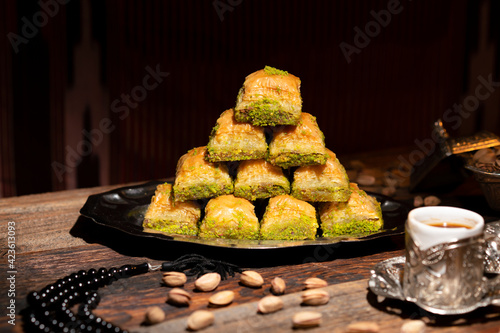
(355, 228)
(171, 226)
(266, 112)
(274, 71)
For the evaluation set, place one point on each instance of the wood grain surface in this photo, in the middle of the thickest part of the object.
(53, 240)
(349, 303)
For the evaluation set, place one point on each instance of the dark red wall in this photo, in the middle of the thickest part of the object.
(412, 69)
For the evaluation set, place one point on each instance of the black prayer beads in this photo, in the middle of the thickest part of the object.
(50, 308)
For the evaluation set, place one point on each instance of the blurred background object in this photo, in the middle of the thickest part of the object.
(108, 92)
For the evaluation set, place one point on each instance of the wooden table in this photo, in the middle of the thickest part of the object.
(52, 240)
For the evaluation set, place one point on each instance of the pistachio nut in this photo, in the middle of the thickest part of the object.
(222, 298)
(179, 297)
(251, 279)
(155, 315)
(485, 155)
(200, 319)
(270, 304)
(432, 200)
(418, 201)
(363, 327)
(315, 297)
(365, 180)
(314, 282)
(306, 319)
(278, 286)
(174, 279)
(207, 282)
(413, 326)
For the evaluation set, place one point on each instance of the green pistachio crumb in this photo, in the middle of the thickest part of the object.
(274, 71)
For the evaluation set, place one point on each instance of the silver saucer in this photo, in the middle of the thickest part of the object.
(492, 253)
(386, 280)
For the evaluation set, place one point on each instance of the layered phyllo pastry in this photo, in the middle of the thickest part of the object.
(288, 218)
(229, 217)
(269, 97)
(197, 178)
(360, 215)
(234, 141)
(259, 179)
(165, 215)
(323, 183)
(299, 145)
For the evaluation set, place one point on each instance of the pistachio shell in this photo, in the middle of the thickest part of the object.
(222, 298)
(200, 319)
(278, 286)
(484, 156)
(432, 200)
(314, 282)
(174, 279)
(155, 315)
(270, 304)
(365, 180)
(207, 282)
(363, 327)
(315, 297)
(179, 297)
(306, 319)
(413, 326)
(251, 279)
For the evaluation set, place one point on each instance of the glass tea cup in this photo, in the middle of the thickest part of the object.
(445, 252)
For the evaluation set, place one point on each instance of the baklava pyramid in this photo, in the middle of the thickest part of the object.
(266, 153)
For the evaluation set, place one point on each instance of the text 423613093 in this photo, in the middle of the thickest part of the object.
(11, 272)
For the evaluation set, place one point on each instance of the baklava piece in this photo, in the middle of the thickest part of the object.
(197, 178)
(359, 216)
(299, 145)
(229, 217)
(322, 183)
(259, 179)
(165, 215)
(269, 97)
(288, 218)
(234, 141)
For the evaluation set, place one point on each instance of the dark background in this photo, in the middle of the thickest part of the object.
(73, 72)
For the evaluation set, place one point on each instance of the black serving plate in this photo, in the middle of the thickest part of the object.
(124, 208)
